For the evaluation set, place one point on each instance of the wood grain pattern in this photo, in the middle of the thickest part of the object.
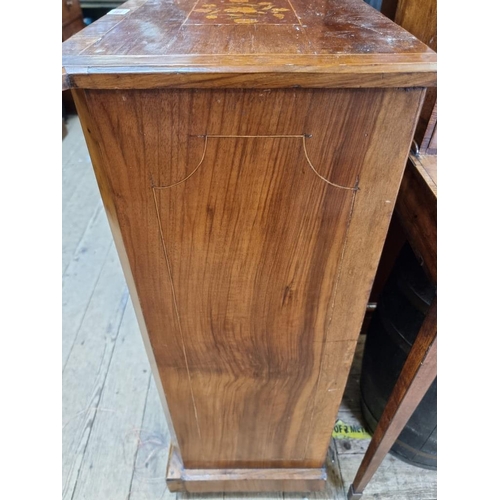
(329, 76)
(240, 208)
(419, 17)
(416, 208)
(426, 133)
(151, 44)
(432, 148)
(242, 480)
(72, 18)
(426, 165)
(394, 480)
(241, 260)
(96, 155)
(72, 28)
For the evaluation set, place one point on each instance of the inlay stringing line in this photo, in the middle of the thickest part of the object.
(278, 136)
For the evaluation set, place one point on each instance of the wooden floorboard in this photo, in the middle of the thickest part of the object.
(76, 159)
(86, 370)
(150, 462)
(115, 437)
(108, 465)
(81, 277)
(78, 214)
(394, 480)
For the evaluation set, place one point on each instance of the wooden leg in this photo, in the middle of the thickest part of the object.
(417, 375)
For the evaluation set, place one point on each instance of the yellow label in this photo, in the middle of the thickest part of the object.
(348, 431)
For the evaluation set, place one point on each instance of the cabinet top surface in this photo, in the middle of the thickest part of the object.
(277, 37)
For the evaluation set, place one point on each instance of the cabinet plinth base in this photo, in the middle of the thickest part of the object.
(241, 480)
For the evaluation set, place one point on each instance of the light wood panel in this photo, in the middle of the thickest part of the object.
(251, 339)
(236, 480)
(249, 212)
(395, 479)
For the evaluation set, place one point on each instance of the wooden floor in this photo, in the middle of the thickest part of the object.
(115, 438)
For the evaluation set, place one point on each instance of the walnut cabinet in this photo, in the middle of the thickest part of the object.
(249, 156)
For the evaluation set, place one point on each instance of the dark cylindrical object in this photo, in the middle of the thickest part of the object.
(400, 313)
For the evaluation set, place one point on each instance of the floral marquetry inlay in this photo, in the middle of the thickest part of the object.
(243, 12)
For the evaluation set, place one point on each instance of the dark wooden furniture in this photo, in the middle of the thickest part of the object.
(416, 209)
(72, 22)
(249, 157)
(64, 129)
(100, 4)
(72, 19)
(419, 17)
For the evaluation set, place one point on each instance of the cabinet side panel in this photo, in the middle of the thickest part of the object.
(380, 178)
(252, 251)
(95, 146)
